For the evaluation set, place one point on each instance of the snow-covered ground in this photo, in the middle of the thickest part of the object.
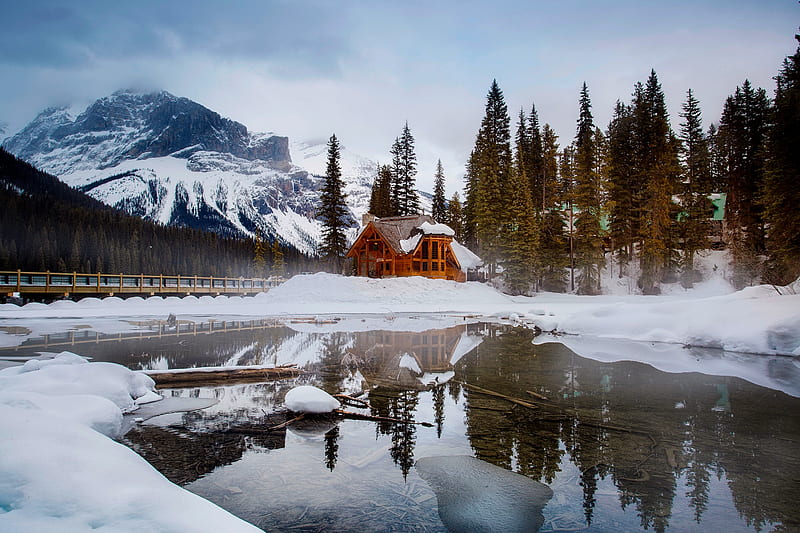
(60, 471)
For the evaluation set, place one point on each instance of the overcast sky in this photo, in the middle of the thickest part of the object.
(361, 69)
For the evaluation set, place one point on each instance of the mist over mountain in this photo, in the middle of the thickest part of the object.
(174, 161)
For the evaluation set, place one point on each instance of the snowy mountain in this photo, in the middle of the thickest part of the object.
(172, 160)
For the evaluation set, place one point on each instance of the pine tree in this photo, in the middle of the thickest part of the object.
(380, 203)
(781, 193)
(625, 195)
(455, 217)
(588, 190)
(553, 248)
(278, 263)
(519, 234)
(333, 210)
(658, 172)
(405, 200)
(488, 171)
(535, 162)
(695, 188)
(259, 254)
(396, 192)
(439, 207)
(740, 143)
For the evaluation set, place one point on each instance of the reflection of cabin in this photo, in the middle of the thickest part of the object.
(434, 353)
(406, 246)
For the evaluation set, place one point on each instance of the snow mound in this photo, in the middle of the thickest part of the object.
(308, 399)
(70, 374)
(474, 495)
(60, 471)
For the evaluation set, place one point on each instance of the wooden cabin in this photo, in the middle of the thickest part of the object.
(405, 246)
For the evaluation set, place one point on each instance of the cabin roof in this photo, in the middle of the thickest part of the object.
(396, 229)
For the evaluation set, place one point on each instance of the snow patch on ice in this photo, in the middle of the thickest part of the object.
(309, 399)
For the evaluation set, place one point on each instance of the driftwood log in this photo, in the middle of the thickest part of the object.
(207, 376)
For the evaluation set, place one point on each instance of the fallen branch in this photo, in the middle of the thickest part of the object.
(281, 426)
(359, 416)
(511, 399)
(351, 400)
(537, 395)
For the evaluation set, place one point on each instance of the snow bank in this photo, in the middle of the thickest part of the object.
(60, 471)
(340, 294)
(756, 320)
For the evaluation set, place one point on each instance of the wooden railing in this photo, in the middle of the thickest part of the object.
(66, 283)
(155, 330)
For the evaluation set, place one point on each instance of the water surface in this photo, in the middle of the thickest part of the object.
(623, 446)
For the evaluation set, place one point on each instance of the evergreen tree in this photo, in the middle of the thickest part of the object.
(487, 175)
(625, 194)
(519, 235)
(553, 247)
(535, 162)
(658, 171)
(380, 203)
(259, 254)
(781, 191)
(439, 207)
(695, 188)
(278, 263)
(740, 142)
(455, 217)
(333, 210)
(587, 201)
(404, 171)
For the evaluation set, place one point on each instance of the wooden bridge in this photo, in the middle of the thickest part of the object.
(60, 284)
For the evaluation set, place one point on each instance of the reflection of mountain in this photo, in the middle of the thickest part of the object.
(648, 432)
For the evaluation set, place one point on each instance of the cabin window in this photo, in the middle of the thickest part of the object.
(386, 267)
(434, 250)
(373, 246)
(424, 249)
(415, 266)
(424, 266)
(434, 265)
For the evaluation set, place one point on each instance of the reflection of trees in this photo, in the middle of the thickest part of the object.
(438, 408)
(401, 405)
(331, 448)
(641, 428)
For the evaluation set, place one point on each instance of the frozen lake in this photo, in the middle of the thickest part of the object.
(623, 445)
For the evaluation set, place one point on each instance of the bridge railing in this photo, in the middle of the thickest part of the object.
(76, 282)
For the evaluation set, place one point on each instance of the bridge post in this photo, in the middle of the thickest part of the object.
(19, 280)
(47, 282)
(74, 282)
(98, 282)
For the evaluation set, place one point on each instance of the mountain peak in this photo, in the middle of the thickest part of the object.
(135, 124)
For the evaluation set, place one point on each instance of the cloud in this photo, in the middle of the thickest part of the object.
(361, 69)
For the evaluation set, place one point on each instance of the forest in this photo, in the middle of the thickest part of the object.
(636, 194)
(47, 225)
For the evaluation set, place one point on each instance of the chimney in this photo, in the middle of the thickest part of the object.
(366, 218)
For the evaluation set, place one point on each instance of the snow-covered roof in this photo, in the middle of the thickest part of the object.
(410, 244)
(436, 229)
(466, 258)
